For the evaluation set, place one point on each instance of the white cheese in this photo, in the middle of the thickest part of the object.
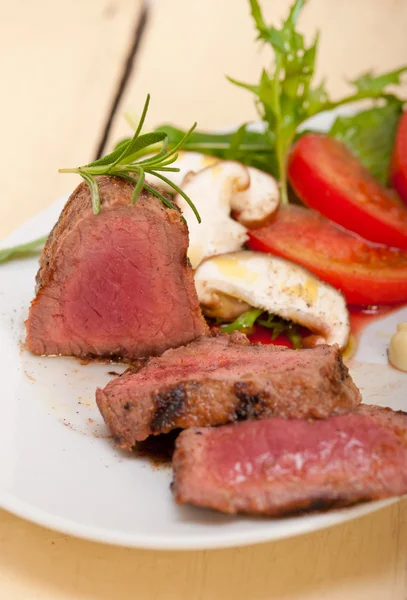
(278, 287)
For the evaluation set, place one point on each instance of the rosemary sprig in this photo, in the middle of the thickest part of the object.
(128, 162)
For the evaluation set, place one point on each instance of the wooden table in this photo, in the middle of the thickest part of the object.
(69, 72)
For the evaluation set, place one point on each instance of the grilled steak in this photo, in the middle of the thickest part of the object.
(277, 467)
(115, 284)
(217, 380)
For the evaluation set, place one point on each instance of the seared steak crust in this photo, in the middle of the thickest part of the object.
(278, 467)
(223, 379)
(117, 284)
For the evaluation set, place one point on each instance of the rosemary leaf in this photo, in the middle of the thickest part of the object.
(138, 187)
(106, 160)
(159, 195)
(94, 190)
(148, 162)
(125, 161)
(180, 192)
(137, 144)
(143, 115)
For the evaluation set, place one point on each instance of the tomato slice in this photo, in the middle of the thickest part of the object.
(264, 336)
(366, 273)
(327, 177)
(398, 167)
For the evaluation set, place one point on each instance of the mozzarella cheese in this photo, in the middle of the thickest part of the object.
(278, 287)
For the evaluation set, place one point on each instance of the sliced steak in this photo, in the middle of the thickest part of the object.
(117, 284)
(278, 467)
(218, 380)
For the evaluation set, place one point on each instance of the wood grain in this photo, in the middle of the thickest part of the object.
(361, 560)
(61, 63)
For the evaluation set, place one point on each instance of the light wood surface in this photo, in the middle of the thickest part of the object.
(61, 63)
(364, 560)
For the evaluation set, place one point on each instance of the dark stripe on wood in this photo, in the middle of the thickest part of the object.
(126, 73)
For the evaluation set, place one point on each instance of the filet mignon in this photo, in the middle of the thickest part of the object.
(117, 284)
(217, 380)
(278, 467)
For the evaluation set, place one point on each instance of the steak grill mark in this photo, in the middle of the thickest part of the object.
(169, 405)
(251, 404)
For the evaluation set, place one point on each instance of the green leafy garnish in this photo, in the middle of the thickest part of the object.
(15, 251)
(245, 321)
(248, 147)
(128, 161)
(370, 135)
(277, 324)
(374, 85)
(286, 95)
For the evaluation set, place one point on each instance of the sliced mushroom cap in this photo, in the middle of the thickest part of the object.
(186, 162)
(261, 199)
(225, 307)
(279, 287)
(211, 190)
(254, 205)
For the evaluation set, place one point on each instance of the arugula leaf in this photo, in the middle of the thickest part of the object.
(285, 92)
(245, 321)
(374, 84)
(15, 251)
(278, 325)
(286, 95)
(370, 135)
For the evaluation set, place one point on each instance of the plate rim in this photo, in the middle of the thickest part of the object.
(37, 516)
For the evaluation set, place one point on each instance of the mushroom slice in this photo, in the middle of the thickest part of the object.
(224, 307)
(279, 287)
(186, 162)
(211, 190)
(256, 204)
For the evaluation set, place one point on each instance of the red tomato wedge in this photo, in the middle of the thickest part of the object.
(366, 273)
(327, 177)
(398, 167)
(264, 336)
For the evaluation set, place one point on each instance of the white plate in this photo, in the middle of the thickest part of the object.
(59, 468)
